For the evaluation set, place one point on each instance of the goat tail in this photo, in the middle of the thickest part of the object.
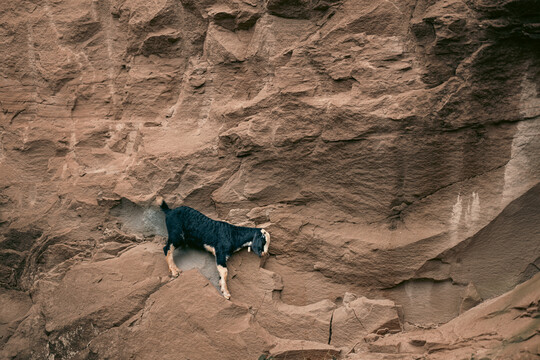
(162, 204)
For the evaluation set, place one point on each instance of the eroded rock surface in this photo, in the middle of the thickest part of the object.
(478, 333)
(391, 148)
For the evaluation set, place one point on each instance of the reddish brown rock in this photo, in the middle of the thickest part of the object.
(14, 306)
(478, 332)
(359, 317)
(300, 350)
(390, 148)
(194, 328)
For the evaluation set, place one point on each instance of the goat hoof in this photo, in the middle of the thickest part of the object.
(227, 296)
(175, 274)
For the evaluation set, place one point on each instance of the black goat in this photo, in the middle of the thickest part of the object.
(188, 227)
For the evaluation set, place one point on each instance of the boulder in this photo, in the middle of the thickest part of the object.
(361, 316)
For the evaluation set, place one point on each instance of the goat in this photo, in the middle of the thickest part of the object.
(189, 227)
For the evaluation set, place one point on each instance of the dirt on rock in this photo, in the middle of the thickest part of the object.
(390, 148)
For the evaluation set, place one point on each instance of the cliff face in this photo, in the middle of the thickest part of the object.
(391, 148)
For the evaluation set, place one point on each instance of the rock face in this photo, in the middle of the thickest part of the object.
(475, 334)
(391, 148)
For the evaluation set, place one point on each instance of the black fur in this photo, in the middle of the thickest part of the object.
(188, 227)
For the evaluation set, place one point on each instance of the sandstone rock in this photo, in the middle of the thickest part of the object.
(393, 348)
(380, 356)
(28, 340)
(236, 16)
(299, 350)
(311, 322)
(90, 299)
(224, 46)
(391, 148)
(299, 9)
(359, 317)
(476, 331)
(14, 306)
(14, 247)
(209, 326)
(488, 268)
(471, 298)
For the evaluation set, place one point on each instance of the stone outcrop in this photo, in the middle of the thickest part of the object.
(128, 306)
(391, 148)
(477, 333)
(359, 317)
